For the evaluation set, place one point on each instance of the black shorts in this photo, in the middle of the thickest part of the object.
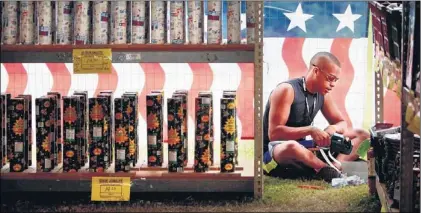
(297, 170)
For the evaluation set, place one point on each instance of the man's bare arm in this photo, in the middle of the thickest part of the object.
(280, 104)
(333, 115)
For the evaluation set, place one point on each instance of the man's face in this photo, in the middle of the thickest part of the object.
(327, 77)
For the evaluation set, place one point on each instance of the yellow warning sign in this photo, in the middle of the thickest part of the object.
(110, 189)
(92, 61)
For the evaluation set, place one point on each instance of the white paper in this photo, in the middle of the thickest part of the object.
(47, 163)
(121, 154)
(152, 139)
(172, 156)
(70, 134)
(206, 101)
(97, 131)
(230, 146)
(18, 146)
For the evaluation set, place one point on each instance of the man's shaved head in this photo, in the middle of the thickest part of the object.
(320, 59)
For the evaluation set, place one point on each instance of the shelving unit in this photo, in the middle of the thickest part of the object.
(153, 180)
(406, 195)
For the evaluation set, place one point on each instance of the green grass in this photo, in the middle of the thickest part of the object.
(279, 196)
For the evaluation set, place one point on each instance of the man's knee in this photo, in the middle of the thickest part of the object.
(288, 150)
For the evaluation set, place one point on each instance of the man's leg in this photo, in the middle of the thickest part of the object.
(357, 137)
(290, 152)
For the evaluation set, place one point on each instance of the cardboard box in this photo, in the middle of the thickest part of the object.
(109, 119)
(58, 127)
(233, 94)
(98, 138)
(228, 134)
(183, 94)
(28, 129)
(155, 123)
(133, 135)
(72, 157)
(17, 134)
(208, 94)
(202, 157)
(83, 96)
(176, 154)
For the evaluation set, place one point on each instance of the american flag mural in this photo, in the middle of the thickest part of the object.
(294, 32)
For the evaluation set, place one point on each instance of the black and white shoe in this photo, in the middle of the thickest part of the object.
(328, 173)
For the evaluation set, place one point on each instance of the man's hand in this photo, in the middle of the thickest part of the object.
(331, 129)
(320, 137)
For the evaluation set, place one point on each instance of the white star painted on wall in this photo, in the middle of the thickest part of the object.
(346, 19)
(298, 19)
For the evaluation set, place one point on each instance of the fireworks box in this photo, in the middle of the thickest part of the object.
(134, 112)
(155, 121)
(209, 95)
(28, 129)
(5, 98)
(73, 133)
(233, 94)
(17, 135)
(228, 134)
(58, 127)
(83, 96)
(183, 94)
(109, 119)
(377, 12)
(176, 154)
(202, 159)
(98, 130)
(45, 129)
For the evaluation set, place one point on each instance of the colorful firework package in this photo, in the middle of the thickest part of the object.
(202, 159)
(140, 22)
(228, 134)
(101, 13)
(208, 94)
(109, 123)
(72, 130)
(5, 98)
(132, 115)
(214, 22)
(155, 127)
(84, 114)
(176, 152)
(234, 22)
(58, 127)
(177, 30)
(98, 130)
(119, 22)
(64, 26)
(250, 21)
(17, 135)
(82, 22)
(183, 94)
(232, 94)
(45, 19)
(9, 22)
(27, 22)
(28, 129)
(158, 22)
(45, 108)
(195, 22)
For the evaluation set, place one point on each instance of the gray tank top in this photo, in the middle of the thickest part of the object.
(302, 112)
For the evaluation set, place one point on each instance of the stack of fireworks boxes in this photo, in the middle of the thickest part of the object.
(101, 129)
(155, 127)
(18, 132)
(229, 141)
(48, 131)
(177, 131)
(126, 128)
(75, 131)
(5, 98)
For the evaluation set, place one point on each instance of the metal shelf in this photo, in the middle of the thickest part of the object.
(135, 53)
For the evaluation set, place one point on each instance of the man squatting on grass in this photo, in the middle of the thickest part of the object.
(289, 116)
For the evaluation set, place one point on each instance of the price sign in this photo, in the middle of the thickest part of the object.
(110, 189)
(92, 61)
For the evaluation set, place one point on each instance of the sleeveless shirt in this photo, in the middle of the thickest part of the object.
(299, 115)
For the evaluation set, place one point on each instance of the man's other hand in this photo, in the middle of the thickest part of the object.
(331, 129)
(320, 137)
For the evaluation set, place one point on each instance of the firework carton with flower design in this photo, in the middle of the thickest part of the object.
(133, 135)
(101, 14)
(228, 134)
(83, 96)
(250, 21)
(46, 147)
(72, 129)
(195, 22)
(27, 22)
(176, 152)
(161, 96)
(140, 22)
(58, 126)
(82, 23)
(158, 22)
(109, 123)
(202, 159)
(3, 129)
(17, 135)
(208, 94)
(98, 128)
(119, 22)
(177, 15)
(9, 22)
(64, 27)
(234, 22)
(233, 94)
(184, 97)
(45, 19)
(214, 22)
(154, 112)
(28, 127)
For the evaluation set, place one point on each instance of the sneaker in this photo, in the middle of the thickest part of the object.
(328, 173)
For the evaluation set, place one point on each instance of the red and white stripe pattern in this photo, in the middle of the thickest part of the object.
(40, 78)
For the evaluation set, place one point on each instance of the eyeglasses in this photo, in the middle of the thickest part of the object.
(329, 77)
